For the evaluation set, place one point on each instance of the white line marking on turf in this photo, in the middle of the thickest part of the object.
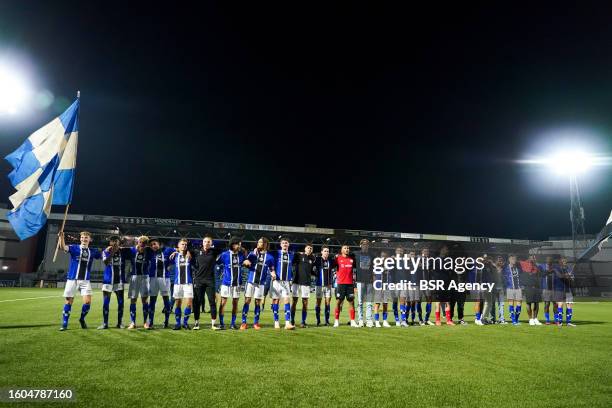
(39, 297)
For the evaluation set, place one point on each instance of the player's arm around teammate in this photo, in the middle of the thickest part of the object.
(281, 283)
(113, 281)
(183, 284)
(323, 283)
(77, 279)
(261, 263)
(300, 287)
(232, 261)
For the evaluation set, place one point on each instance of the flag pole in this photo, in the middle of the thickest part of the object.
(61, 231)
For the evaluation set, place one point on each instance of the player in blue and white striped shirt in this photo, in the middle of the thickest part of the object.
(183, 284)
(281, 283)
(261, 263)
(324, 266)
(114, 258)
(159, 279)
(81, 260)
(139, 280)
(232, 261)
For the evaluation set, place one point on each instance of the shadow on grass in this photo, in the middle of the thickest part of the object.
(27, 326)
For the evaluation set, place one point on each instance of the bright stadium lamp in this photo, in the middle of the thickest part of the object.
(14, 90)
(570, 162)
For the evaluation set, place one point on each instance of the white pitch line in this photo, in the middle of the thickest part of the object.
(32, 298)
(40, 297)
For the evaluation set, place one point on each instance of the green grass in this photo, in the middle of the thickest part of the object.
(465, 366)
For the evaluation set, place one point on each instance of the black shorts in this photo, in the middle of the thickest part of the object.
(345, 291)
(442, 296)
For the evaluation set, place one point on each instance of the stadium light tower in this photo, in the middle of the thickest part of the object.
(572, 163)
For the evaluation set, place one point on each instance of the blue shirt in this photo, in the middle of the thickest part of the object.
(182, 270)
(283, 263)
(139, 260)
(511, 276)
(114, 272)
(323, 270)
(158, 262)
(260, 267)
(81, 260)
(232, 264)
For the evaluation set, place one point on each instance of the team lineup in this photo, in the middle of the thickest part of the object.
(184, 277)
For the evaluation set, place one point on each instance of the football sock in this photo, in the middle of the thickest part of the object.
(105, 309)
(84, 310)
(275, 311)
(403, 312)
(168, 310)
(133, 313)
(245, 312)
(287, 312)
(256, 311)
(152, 309)
(145, 312)
(318, 314)
(119, 310)
(187, 314)
(66, 314)
(177, 315)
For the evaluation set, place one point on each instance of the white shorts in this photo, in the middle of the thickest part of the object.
(229, 291)
(514, 294)
(159, 285)
(184, 291)
(280, 289)
(302, 291)
(83, 286)
(114, 287)
(323, 292)
(139, 286)
(255, 291)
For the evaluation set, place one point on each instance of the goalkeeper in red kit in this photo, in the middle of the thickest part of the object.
(344, 285)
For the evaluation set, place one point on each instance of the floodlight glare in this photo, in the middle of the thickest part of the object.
(14, 90)
(570, 162)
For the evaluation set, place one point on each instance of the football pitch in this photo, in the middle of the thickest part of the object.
(461, 366)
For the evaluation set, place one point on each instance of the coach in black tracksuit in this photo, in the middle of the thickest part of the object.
(204, 280)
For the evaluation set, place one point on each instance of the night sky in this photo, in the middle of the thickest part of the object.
(351, 117)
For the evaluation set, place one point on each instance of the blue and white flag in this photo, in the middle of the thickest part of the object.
(43, 172)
